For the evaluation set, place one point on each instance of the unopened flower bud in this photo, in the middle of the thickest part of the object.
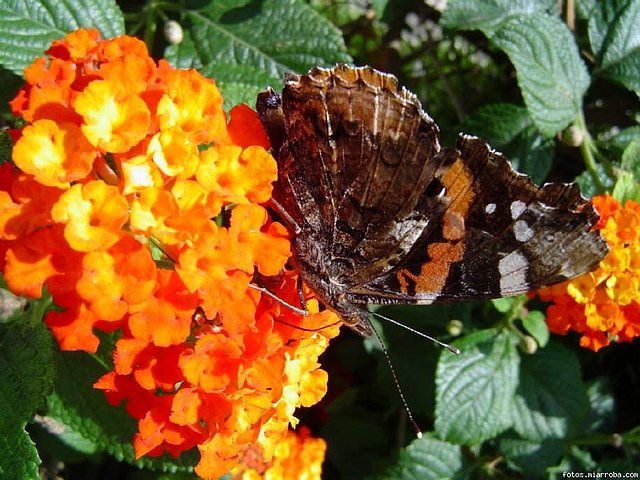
(528, 345)
(454, 328)
(173, 32)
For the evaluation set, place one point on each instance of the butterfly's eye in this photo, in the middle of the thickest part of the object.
(349, 313)
(351, 320)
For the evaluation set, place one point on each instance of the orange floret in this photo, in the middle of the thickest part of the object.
(114, 120)
(93, 214)
(56, 154)
(602, 305)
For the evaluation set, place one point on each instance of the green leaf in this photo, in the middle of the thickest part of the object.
(26, 372)
(414, 359)
(247, 46)
(26, 377)
(529, 457)
(551, 399)
(631, 158)
(489, 15)
(621, 466)
(626, 187)
(588, 186)
(615, 39)
(577, 458)
(598, 14)
(619, 141)
(601, 416)
(28, 27)
(425, 459)
(474, 390)
(343, 13)
(536, 326)
(60, 442)
(497, 123)
(510, 128)
(531, 153)
(84, 411)
(238, 83)
(18, 455)
(550, 72)
(503, 305)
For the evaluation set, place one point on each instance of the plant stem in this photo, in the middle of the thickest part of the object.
(586, 149)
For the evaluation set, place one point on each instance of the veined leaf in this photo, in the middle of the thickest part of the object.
(551, 74)
(26, 372)
(598, 14)
(426, 459)
(489, 15)
(626, 187)
(631, 158)
(602, 415)
(551, 399)
(19, 458)
(532, 458)
(28, 27)
(497, 123)
(615, 39)
(510, 129)
(247, 46)
(474, 390)
(238, 82)
(26, 376)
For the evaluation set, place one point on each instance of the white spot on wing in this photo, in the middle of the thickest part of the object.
(490, 208)
(513, 272)
(517, 208)
(522, 231)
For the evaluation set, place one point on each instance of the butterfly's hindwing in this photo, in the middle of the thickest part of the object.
(500, 235)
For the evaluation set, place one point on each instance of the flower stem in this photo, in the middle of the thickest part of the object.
(587, 148)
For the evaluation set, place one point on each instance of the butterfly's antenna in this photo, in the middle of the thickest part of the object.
(304, 329)
(451, 348)
(387, 357)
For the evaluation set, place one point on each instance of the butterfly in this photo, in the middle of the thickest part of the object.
(380, 213)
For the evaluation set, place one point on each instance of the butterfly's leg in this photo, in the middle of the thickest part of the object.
(301, 311)
(303, 302)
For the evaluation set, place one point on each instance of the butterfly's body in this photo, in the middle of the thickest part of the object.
(381, 214)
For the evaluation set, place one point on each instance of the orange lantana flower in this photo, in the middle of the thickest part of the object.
(141, 209)
(603, 305)
(298, 455)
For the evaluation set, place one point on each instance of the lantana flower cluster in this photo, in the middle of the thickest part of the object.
(603, 305)
(298, 456)
(140, 208)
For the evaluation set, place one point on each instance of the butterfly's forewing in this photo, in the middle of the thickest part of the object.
(352, 166)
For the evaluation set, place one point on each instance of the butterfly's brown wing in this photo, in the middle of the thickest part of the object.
(500, 235)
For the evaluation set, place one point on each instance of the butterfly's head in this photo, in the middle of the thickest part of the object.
(353, 316)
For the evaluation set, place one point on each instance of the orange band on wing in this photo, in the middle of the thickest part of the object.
(433, 274)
